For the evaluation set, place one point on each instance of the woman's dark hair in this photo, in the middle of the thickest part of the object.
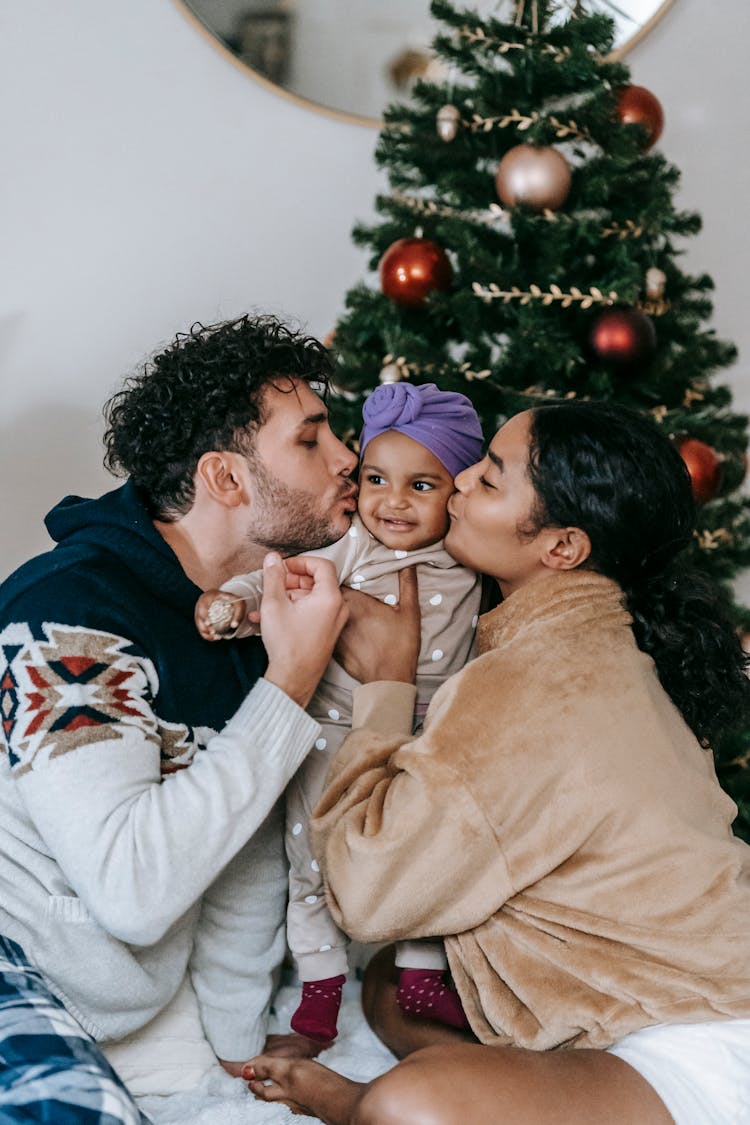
(611, 472)
(203, 392)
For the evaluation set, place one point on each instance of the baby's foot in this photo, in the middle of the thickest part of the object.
(426, 994)
(318, 1011)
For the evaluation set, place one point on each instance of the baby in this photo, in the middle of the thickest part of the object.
(414, 441)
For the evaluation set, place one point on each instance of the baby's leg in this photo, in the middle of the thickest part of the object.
(318, 946)
(423, 990)
(424, 953)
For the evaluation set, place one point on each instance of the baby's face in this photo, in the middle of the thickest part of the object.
(403, 492)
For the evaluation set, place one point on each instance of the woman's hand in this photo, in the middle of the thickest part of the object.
(379, 641)
(299, 625)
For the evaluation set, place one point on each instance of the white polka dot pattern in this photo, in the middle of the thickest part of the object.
(401, 554)
(334, 714)
(437, 654)
(321, 743)
(436, 599)
(390, 599)
(297, 829)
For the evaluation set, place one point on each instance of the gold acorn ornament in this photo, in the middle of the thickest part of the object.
(656, 280)
(448, 120)
(390, 374)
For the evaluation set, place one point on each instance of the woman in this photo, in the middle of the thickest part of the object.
(559, 820)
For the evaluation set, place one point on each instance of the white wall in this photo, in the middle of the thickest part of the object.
(148, 182)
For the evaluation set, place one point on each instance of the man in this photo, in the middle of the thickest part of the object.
(139, 839)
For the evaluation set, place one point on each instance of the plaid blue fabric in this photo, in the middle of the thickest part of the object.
(51, 1071)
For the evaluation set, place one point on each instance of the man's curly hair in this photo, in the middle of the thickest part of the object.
(202, 393)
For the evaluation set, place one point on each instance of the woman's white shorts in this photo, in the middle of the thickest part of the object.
(701, 1071)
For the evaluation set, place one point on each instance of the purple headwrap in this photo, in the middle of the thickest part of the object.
(444, 422)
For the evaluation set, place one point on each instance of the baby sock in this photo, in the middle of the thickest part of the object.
(317, 1014)
(424, 993)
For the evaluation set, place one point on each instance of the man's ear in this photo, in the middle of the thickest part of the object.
(567, 548)
(219, 475)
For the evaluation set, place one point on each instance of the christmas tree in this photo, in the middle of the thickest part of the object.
(528, 249)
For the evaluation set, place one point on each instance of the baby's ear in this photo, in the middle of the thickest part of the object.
(566, 548)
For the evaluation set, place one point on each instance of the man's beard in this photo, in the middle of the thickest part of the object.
(284, 519)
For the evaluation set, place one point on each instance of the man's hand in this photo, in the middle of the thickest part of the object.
(379, 641)
(299, 626)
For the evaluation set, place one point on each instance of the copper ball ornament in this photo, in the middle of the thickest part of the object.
(704, 465)
(537, 176)
(637, 106)
(622, 336)
(412, 268)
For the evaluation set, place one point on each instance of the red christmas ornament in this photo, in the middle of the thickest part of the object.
(622, 336)
(411, 268)
(704, 465)
(637, 106)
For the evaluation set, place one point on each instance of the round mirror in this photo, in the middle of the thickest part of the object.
(352, 57)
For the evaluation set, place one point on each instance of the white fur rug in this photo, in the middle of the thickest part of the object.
(221, 1100)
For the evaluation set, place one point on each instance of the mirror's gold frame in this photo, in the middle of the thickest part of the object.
(341, 114)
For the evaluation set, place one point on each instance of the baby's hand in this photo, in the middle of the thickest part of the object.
(217, 615)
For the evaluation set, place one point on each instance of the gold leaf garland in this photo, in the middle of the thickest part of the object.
(692, 395)
(525, 121)
(493, 215)
(628, 229)
(655, 307)
(713, 540)
(503, 47)
(594, 296)
(406, 370)
(496, 214)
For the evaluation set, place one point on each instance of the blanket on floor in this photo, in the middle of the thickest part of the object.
(221, 1100)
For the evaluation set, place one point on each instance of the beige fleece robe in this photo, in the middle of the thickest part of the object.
(557, 821)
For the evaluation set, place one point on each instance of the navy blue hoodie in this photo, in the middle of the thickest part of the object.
(112, 571)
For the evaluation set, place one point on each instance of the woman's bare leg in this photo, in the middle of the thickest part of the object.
(443, 1079)
(402, 1033)
(305, 1086)
(312, 1088)
(449, 1085)
(453, 1084)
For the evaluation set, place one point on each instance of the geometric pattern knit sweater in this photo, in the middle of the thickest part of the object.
(140, 769)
